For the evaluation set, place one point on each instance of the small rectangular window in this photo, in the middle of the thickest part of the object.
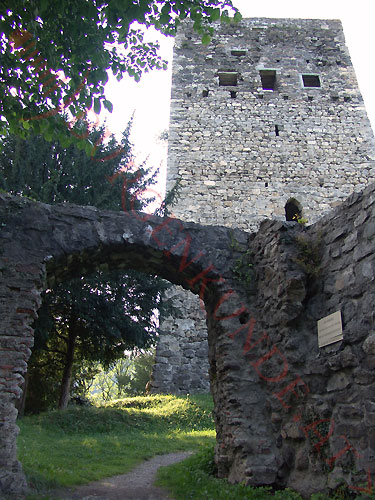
(311, 81)
(228, 78)
(268, 78)
(238, 52)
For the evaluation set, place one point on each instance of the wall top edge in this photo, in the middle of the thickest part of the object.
(265, 22)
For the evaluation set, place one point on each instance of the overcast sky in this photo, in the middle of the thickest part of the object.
(149, 99)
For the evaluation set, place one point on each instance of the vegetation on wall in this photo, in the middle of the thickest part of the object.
(243, 269)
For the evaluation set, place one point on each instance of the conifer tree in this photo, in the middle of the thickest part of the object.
(91, 318)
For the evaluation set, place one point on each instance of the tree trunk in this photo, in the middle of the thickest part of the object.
(67, 375)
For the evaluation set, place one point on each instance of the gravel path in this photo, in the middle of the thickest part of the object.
(135, 485)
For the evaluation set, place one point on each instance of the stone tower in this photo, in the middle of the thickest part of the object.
(267, 121)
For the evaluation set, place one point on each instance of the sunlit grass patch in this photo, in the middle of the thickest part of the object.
(83, 444)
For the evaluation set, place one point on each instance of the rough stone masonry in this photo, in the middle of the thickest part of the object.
(269, 113)
(287, 412)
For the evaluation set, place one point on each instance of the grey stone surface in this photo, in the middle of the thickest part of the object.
(181, 365)
(284, 409)
(237, 169)
(287, 413)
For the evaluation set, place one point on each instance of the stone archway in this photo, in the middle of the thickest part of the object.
(268, 376)
(42, 244)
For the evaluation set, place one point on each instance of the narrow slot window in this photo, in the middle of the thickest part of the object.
(238, 52)
(228, 78)
(268, 78)
(233, 94)
(312, 81)
(277, 130)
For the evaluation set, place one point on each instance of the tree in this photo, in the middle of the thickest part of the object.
(142, 369)
(125, 377)
(55, 55)
(92, 318)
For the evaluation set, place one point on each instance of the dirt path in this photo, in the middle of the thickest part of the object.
(135, 485)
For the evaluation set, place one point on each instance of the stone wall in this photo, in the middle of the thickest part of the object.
(317, 403)
(241, 152)
(182, 352)
(41, 245)
(287, 412)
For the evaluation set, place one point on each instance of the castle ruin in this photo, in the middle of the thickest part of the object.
(267, 122)
(292, 140)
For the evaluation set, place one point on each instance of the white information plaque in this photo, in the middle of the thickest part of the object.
(330, 329)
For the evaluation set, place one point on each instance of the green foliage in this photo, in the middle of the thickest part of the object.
(194, 478)
(109, 384)
(83, 444)
(186, 413)
(55, 55)
(142, 412)
(301, 220)
(79, 445)
(318, 431)
(342, 492)
(142, 369)
(126, 377)
(170, 200)
(51, 173)
(91, 318)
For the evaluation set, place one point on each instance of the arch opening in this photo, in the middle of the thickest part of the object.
(293, 210)
(43, 245)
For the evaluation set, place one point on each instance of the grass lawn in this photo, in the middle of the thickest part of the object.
(83, 444)
(194, 478)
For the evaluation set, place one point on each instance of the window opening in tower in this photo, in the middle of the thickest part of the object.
(268, 78)
(311, 81)
(293, 210)
(228, 78)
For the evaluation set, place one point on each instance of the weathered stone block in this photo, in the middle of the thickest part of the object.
(369, 344)
(338, 382)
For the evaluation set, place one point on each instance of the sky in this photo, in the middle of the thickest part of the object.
(149, 99)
